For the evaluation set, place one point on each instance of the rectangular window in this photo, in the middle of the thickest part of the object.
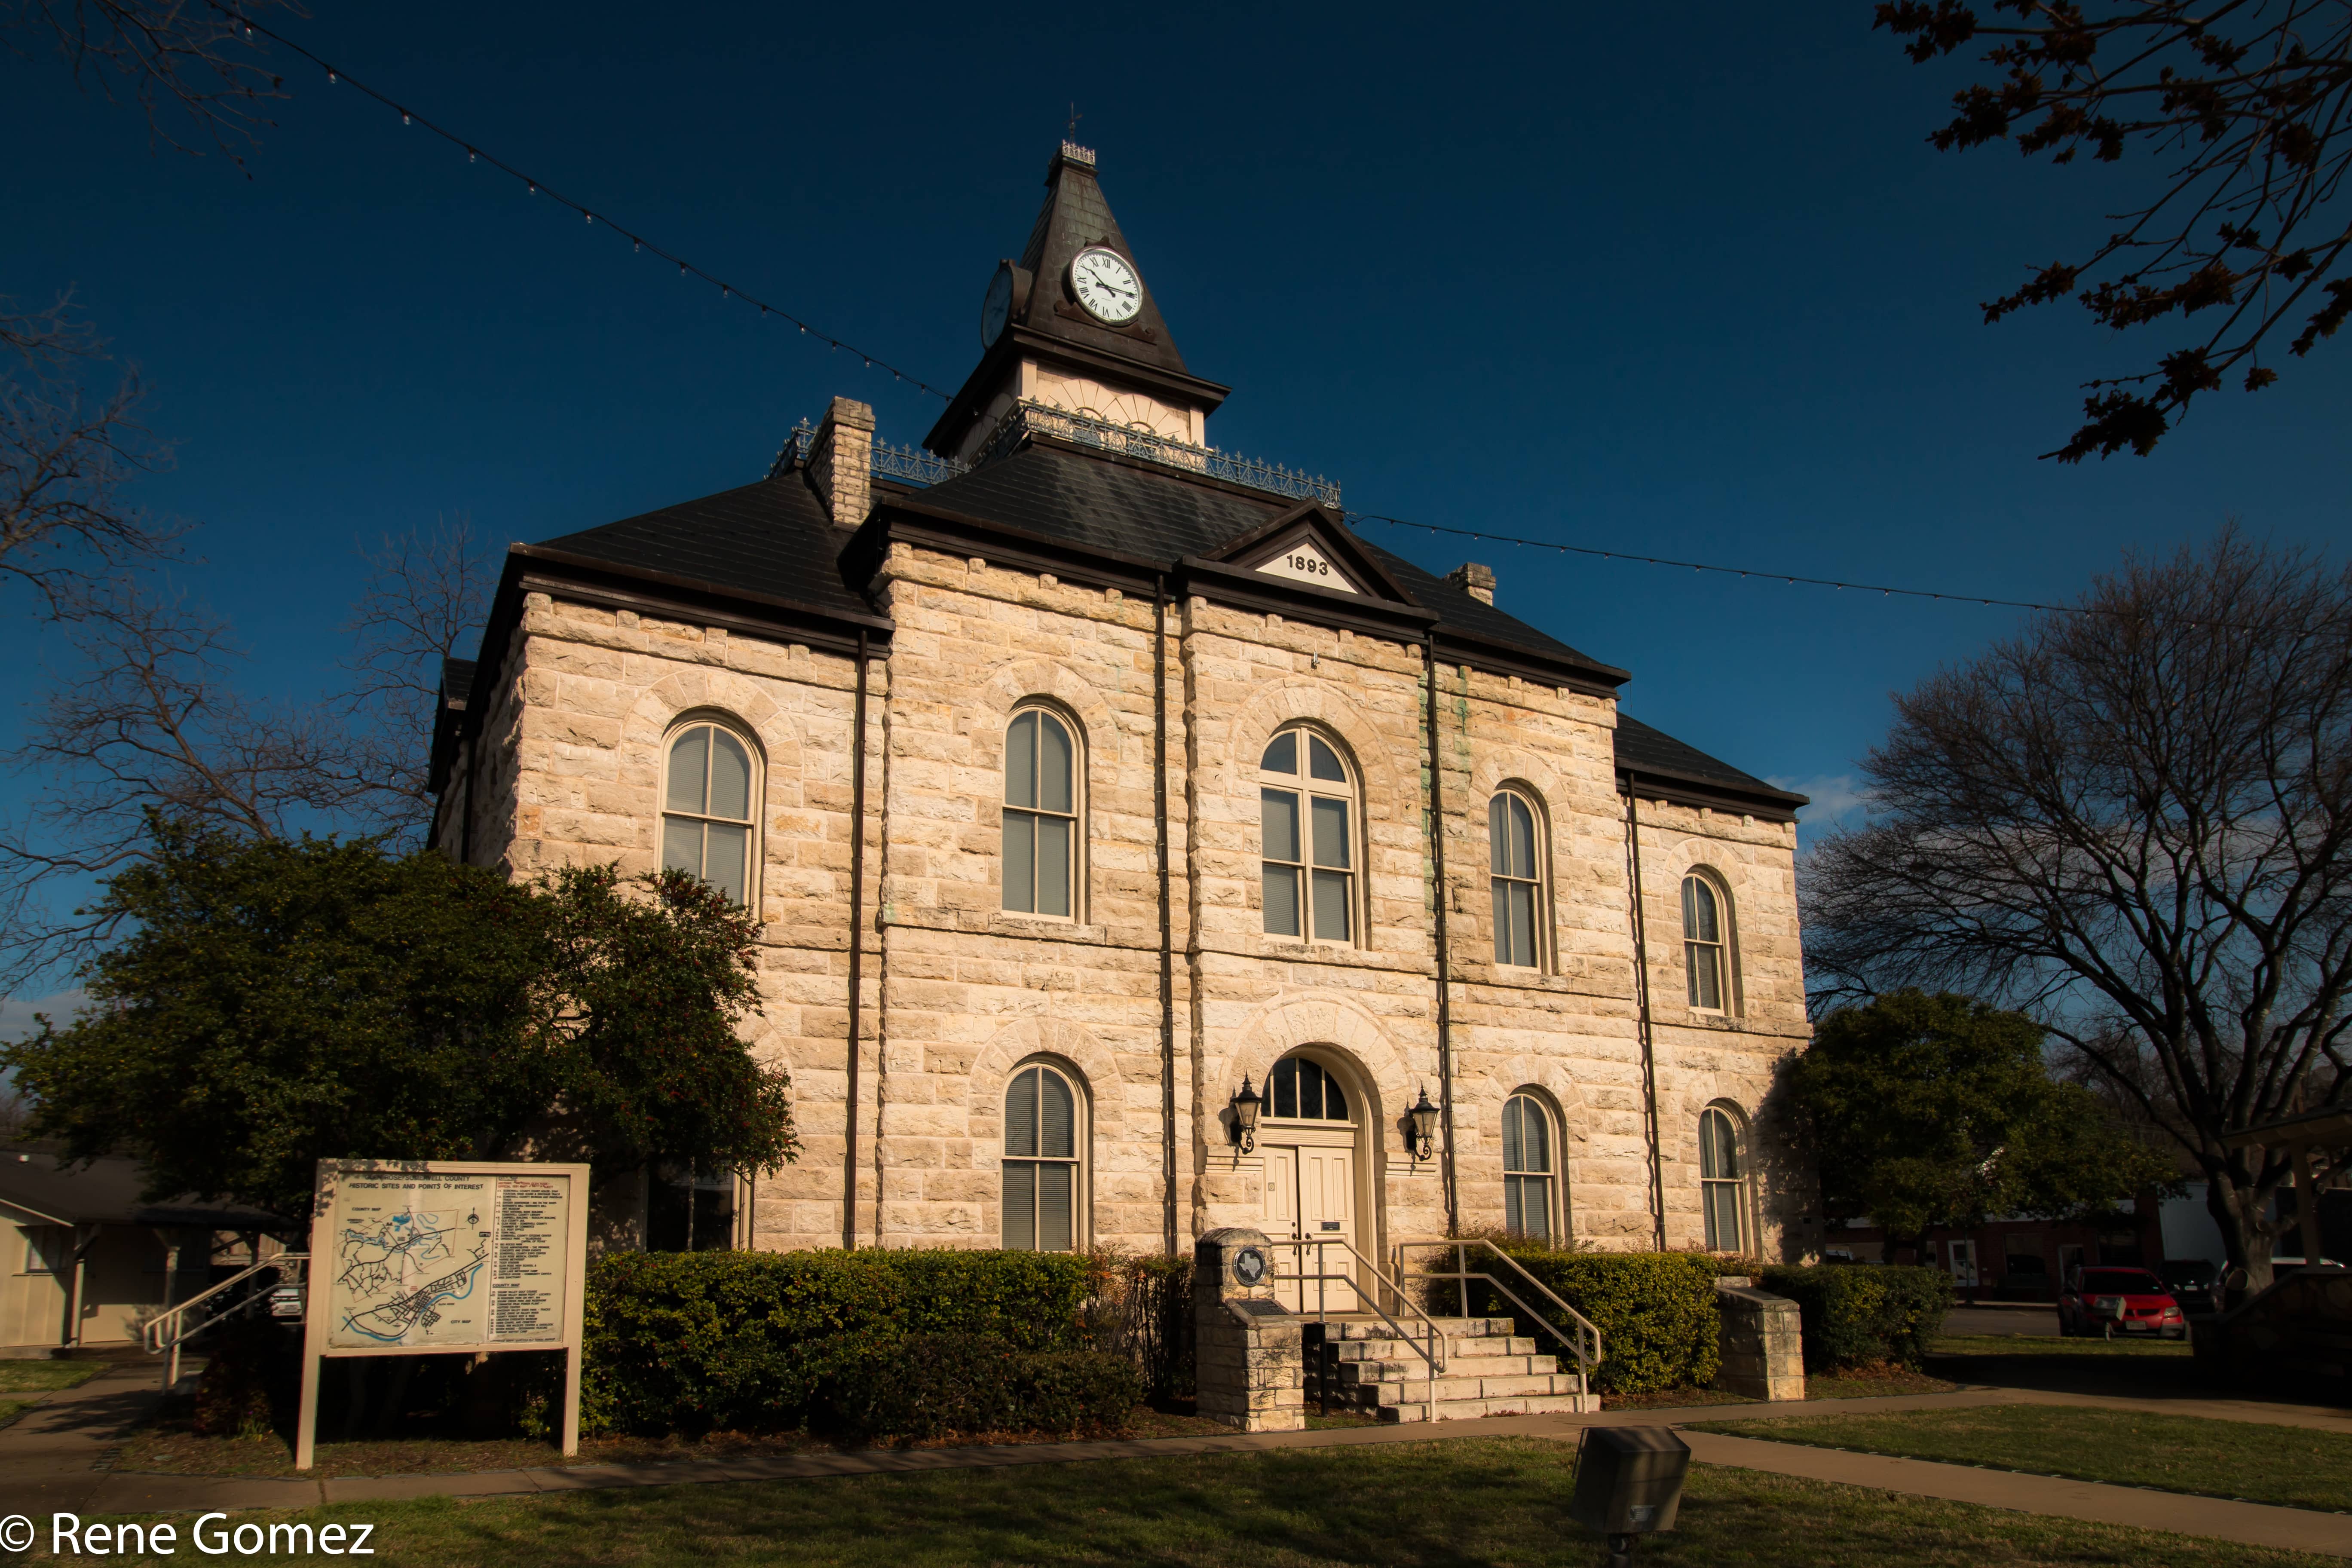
(1723, 1226)
(1527, 1206)
(49, 1248)
(1278, 813)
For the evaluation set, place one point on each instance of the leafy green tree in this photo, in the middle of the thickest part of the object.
(280, 1002)
(1936, 1113)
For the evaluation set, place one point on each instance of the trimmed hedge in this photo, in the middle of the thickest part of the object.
(924, 1385)
(1655, 1311)
(689, 1342)
(1859, 1314)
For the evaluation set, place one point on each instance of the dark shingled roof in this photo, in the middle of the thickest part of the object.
(771, 537)
(1129, 510)
(1643, 750)
(1123, 509)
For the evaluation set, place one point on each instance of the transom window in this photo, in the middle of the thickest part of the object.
(707, 819)
(1308, 803)
(1300, 1090)
(1517, 881)
(1723, 1183)
(1041, 815)
(1041, 1161)
(1527, 1167)
(1703, 944)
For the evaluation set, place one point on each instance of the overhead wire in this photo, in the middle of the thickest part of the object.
(1761, 574)
(728, 290)
(336, 75)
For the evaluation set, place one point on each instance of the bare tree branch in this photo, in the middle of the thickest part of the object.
(148, 721)
(426, 598)
(66, 452)
(2250, 101)
(2136, 826)
(179, 60)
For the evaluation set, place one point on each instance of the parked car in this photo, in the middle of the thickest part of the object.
(2194, 1283)
(2119, 1300)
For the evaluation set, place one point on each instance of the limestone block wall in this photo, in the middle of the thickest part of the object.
(958, 993)
(572, 765)
(1729, 1057)
(971, 992)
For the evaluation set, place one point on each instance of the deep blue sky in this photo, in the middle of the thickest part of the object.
(1673, 278)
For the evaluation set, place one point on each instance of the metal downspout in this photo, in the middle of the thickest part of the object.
(856, 954)
(1167, 925)
(1437, 902)
(1649, 1045)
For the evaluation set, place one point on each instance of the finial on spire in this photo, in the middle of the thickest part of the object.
(1070, 148)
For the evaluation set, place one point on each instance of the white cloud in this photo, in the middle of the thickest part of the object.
(16, 1012)
(1837, 799)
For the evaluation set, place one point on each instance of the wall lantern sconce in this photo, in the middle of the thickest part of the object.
(1245, 1109)
(1424, 1140)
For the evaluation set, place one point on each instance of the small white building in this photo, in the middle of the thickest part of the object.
(88, 1261)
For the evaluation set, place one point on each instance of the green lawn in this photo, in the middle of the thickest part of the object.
(1484, 1502)
(45, 1376)
(2052, 1344)
(2288, 1464)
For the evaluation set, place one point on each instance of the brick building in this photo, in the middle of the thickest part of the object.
(1082, 776)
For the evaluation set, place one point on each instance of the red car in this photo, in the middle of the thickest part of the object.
(2108, 1301)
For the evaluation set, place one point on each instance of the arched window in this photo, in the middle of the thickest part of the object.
(1297, 1090)
(1527, 1167)
(1307, 806)
(1511, 840)
(1041, 1138)
(1703, 944)
(1041, 815)
(1722, 1180)
(708, 826)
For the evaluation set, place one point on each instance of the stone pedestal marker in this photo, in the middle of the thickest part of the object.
(1246, 1352)
(1762, 1342)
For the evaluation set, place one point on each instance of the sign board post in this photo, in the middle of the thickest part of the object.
(431, 1256)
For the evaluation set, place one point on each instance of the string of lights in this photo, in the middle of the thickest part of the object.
(589, 215)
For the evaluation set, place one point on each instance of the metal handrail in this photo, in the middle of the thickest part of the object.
(1585, 1327)
(1433, 1356)
(152, 1335)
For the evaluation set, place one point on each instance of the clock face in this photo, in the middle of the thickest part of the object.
(996, 308)
(1107, 286)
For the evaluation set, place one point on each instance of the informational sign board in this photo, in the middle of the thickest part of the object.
(422, 1257)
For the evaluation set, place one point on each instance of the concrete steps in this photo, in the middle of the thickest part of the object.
(1487, 1369)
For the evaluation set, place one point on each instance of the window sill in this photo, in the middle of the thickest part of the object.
(1045, 927)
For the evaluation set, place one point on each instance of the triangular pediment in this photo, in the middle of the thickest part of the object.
(1311, 545)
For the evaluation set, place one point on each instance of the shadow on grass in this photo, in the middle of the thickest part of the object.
(1466, 1503)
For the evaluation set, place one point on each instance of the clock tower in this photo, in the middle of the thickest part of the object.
(1072, 326)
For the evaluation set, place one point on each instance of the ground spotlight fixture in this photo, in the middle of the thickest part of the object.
(1424, 1140)
(1245, 1109)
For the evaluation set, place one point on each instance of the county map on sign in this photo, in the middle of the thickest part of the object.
(396, 1273)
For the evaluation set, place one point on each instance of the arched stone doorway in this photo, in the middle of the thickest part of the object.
(1315, 1183)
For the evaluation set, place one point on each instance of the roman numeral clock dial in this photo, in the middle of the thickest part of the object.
(1107, 286)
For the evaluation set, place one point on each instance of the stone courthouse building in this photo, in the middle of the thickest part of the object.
(1086, 776)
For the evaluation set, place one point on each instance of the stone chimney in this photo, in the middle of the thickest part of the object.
(841, 461)
(1473, 579)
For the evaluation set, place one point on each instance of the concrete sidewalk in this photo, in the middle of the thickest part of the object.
(2247, 1523)
(50, 1455)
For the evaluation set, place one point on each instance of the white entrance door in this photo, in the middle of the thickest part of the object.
(1310, 1196)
